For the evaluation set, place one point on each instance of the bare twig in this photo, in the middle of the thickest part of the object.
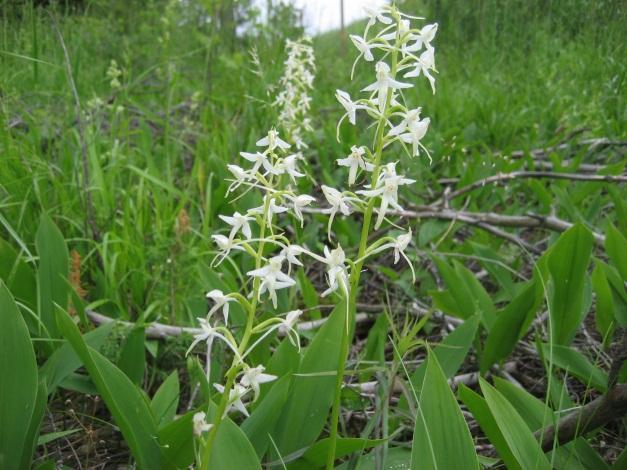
(502, 177)
(89, 204)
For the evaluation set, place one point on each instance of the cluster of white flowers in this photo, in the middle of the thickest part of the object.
(410, 54)
(113, 75)
(294, 101)
(272, 171)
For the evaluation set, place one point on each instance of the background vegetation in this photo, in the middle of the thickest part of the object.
(132, 184)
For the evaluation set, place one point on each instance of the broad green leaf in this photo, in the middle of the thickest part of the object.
(18, 383)
(576, 364)
(305, 413)
(316, 456)
(619, 293)
(132, 359)
(451, 351)
(166, 400)
(518, 436)
(481, 412)
(31, 441)
(17, 275)
(177, 441)
(232, 449)
(124, 400)
(567, 262)
(604, 308)
(616, 249)
(467, 295)
(53, 436)
(441, 436)
(573, 455)
(64, 360)
(52, 273)
(397, 458)
(511, 324)
(261, 423)
(493, 263)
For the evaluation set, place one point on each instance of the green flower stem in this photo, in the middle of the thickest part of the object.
(351, 301)
(233, 371)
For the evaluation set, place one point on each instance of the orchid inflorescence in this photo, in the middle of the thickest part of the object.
(294, 102)
(272, 171)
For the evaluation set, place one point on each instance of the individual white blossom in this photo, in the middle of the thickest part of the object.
(253, 376)
(259, 160)
(208, 334)
(235, 398)
(238, 222)
(272, 141)
(337, 276)
(354, 161)
(269, 211)
(338, 203)
(200, 423)
(291, 252)
(221, 302)
(384, 83)
(424, 65)
(363, 47)
(289, 166)
(350, 107)
(299, 202)
(272, 278)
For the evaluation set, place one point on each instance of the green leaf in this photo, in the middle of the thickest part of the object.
(177, 440)
(232, 449)
(31, 441)
(316, 455)
(441, 436)
(18, 384)
(518, 436)
(604, 308)
(397, 458)
(53, 436)
(567, 262)
(260, 425)
(493, 263)
(306, 411)
(52, 273)
(616, 248)
(481, 412)
(64, 360)
(132, 359)
(17, 275)
(467, 295)
(573, 455)
(124, 400)
(578, 365)
(511, 324)
(166, 400)
(451, 351)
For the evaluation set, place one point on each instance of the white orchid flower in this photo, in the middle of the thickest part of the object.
(291, 252)
(424, 65)
(289, 322)
(208, 334)
(235, 398)
(299, 202)
(238, 222)
(338, 203)
(337, 276)
(350, 107)
(225, 245)
(273, 208)
(272, 278)
(384, 83)
(241, 176)
(363, 47)
(253, 376)
(410, 118)
(354, 161)
(259, 160)
(387, 189)
(376, 14)
(415, 134)
(221, 302)
(200, 423)
(272, 141)
(288, 165)
(425, 36)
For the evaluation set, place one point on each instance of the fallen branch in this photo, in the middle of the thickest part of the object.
(503, 177)
(162, 331)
